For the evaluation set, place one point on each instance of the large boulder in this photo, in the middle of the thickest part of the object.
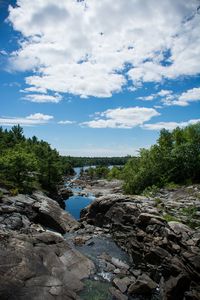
(20, 211)
(40, 266)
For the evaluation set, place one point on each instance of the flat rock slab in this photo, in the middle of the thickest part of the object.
(40, 266)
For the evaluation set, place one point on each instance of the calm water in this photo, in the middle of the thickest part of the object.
(76, 203)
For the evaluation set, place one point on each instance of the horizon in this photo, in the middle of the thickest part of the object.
(106, 79)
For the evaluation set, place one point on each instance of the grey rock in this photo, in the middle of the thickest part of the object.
(143, 285)
(40, 266)
(117, 294)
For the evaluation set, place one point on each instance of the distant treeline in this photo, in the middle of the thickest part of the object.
(95, 161)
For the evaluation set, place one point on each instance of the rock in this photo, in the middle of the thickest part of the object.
(192, 295)
(20, 211)
(119, 264)
(122, 284)
(65, 193)
(40, 266)
(81, 240)
(145, 218)
(50, 213)
(143, 285)
(117, 294)
(174, 287)
(156, 255)
(179, 228)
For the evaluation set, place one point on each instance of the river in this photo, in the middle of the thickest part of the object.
(76, 203)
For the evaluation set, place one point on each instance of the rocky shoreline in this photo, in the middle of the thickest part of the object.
(134, 243)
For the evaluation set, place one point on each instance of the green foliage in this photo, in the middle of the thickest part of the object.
(190, 214)
(151, 191)
(1, 194)
(18, 166)
(170, 218)
(97, 172)
(26, 164)
(157, 201)
(14, 192)
(115, 173)
(174, 159)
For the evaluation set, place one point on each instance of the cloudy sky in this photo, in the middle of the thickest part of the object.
(99, 77)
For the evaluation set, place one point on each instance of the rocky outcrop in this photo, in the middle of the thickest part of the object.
(36, 262)
(167, 254)
(40, 266)
(22, 211)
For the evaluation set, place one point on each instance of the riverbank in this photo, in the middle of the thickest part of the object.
(124, 247)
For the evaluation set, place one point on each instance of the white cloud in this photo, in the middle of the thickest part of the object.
(122, 118)
(42, 98)
(84, 47)
(33, 119)
(147, 98)
(39, 117)
(183, 99)
(169, 125)
(66, 122)
(151, 97)
(164, 93)
(3, 52)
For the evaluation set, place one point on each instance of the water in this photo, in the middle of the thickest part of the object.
(96, 290)
(76, 203)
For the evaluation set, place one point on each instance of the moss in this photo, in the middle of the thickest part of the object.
(170, 218)
(157, 201)
(14, 192)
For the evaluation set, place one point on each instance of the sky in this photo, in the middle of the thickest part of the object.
(99, 78)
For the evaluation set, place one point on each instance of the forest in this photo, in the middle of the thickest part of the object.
(174, 159)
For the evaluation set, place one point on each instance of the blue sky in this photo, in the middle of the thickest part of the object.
(97, 78)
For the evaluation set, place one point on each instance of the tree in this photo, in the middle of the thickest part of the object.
(175, 158)
(18, 166)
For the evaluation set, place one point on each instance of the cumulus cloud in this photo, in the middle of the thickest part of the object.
(169, 125)
(160, 94)
(183, 99)
(122, 117)
(42, 98)
(92, 48)
(33, 119)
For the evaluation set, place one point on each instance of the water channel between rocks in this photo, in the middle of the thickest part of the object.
(98, 246)
(97, 286)
(76, 203)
